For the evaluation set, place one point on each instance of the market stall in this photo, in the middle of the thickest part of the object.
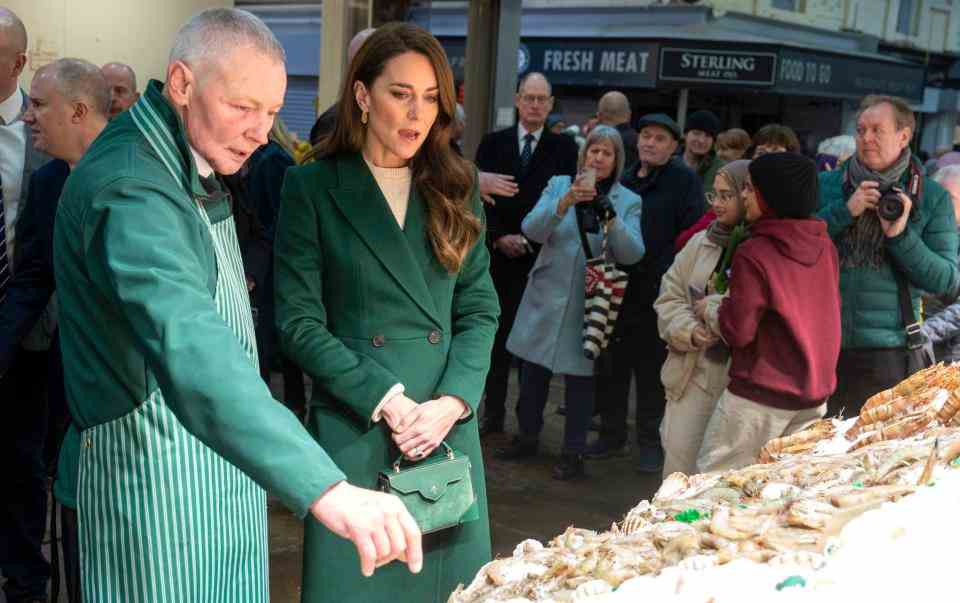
(857, 509)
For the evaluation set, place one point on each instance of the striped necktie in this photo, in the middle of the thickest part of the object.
(527, 153)
(4, 264)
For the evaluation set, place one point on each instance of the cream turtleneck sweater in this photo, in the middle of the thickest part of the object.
(394, 183)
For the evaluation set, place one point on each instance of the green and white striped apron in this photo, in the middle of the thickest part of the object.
(162, 517)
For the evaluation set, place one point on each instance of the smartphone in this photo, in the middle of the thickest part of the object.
(696, 293)
(588, 177)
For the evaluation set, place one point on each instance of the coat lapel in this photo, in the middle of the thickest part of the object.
(360, 201)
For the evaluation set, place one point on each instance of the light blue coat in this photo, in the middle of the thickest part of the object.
(548, 329)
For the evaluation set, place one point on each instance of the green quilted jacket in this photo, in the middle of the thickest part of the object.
(926, 252)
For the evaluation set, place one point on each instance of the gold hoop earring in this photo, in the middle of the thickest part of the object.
(363, 117)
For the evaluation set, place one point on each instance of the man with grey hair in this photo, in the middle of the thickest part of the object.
(23, 387)
(889, 252)
(530, 155)
(123, 87)
(178, 432)
(67, 110)
(613, 109)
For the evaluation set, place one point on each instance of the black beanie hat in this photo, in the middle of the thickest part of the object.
(788, 184)
(703, 120)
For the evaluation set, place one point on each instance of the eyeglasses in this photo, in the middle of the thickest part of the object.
(714, 197)
(532, 99)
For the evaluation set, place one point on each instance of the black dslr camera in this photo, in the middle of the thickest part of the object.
(591, 215)
(890, 205)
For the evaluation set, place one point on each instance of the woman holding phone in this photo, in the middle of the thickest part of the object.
(548, 332)
(695, 373)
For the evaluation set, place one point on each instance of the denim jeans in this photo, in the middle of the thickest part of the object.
(579, 395)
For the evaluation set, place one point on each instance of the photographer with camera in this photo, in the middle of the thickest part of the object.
(896, 235)
(593, 211)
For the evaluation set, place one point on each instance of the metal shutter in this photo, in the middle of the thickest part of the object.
(298, 111)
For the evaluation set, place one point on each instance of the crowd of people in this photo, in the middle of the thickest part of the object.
(164, 253)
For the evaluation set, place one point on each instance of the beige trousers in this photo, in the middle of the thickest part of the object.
(739, 428)
(684, 423)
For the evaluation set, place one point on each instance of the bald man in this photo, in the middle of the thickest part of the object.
(22, 388)
(324, 124)
(69, 101)
(613, 110)
(530, 155)
(123, 87)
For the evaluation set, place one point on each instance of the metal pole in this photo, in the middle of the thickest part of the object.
(490, 71)
(682, 103)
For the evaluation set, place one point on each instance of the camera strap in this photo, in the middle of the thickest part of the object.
(583, 237)
(914, 335)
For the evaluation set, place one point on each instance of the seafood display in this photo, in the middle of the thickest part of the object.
(787, 511)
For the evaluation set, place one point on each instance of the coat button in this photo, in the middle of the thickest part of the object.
(434, 337)
(378, 341)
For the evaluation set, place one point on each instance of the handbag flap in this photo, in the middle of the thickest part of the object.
(430, 481)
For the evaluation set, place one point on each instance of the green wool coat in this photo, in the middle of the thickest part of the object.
(926, 251)
(363, 305)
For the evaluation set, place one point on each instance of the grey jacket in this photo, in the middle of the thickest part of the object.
(548, 329)
(942, 328)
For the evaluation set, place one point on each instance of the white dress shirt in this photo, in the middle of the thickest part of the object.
(523, 132)
(13, 141)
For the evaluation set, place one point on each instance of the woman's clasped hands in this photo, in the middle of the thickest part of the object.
(419, 428)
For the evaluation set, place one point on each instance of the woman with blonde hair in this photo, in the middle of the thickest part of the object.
(695, 373)
(384, 298)
(594, 211)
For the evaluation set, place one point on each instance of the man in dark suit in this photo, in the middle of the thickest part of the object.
(532, 155)
(23, 512)
(69, 104)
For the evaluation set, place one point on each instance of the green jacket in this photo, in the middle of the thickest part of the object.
(708, 172)
(136, 277)
(363, 305)
(926, 252)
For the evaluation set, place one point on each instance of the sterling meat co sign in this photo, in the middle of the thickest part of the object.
(707, 66)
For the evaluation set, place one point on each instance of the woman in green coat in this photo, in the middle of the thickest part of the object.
(384, 297)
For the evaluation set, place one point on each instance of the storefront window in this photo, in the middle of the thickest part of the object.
(791, 5)
(906, 18)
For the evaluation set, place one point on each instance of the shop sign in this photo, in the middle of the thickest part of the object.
(847, 76)
(714, 66)
(576, 62)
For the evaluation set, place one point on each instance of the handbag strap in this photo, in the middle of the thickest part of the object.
(583, 235)
(911, 326)
(400, 459)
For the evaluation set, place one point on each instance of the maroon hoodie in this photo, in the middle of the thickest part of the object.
(782, 317)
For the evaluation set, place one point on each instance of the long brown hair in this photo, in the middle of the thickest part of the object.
(442, 177)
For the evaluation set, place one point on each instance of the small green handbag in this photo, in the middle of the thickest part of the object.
(437, 491)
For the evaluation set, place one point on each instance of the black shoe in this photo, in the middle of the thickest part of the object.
(600, 450)
(520, 448)
(651, 459)
(490, 426)
(570, 467)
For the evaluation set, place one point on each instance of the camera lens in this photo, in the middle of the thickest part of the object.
(890, 207)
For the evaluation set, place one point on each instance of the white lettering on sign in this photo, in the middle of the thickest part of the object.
(568, 60)
(690, 60)
(805, 72)
(624, 61)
